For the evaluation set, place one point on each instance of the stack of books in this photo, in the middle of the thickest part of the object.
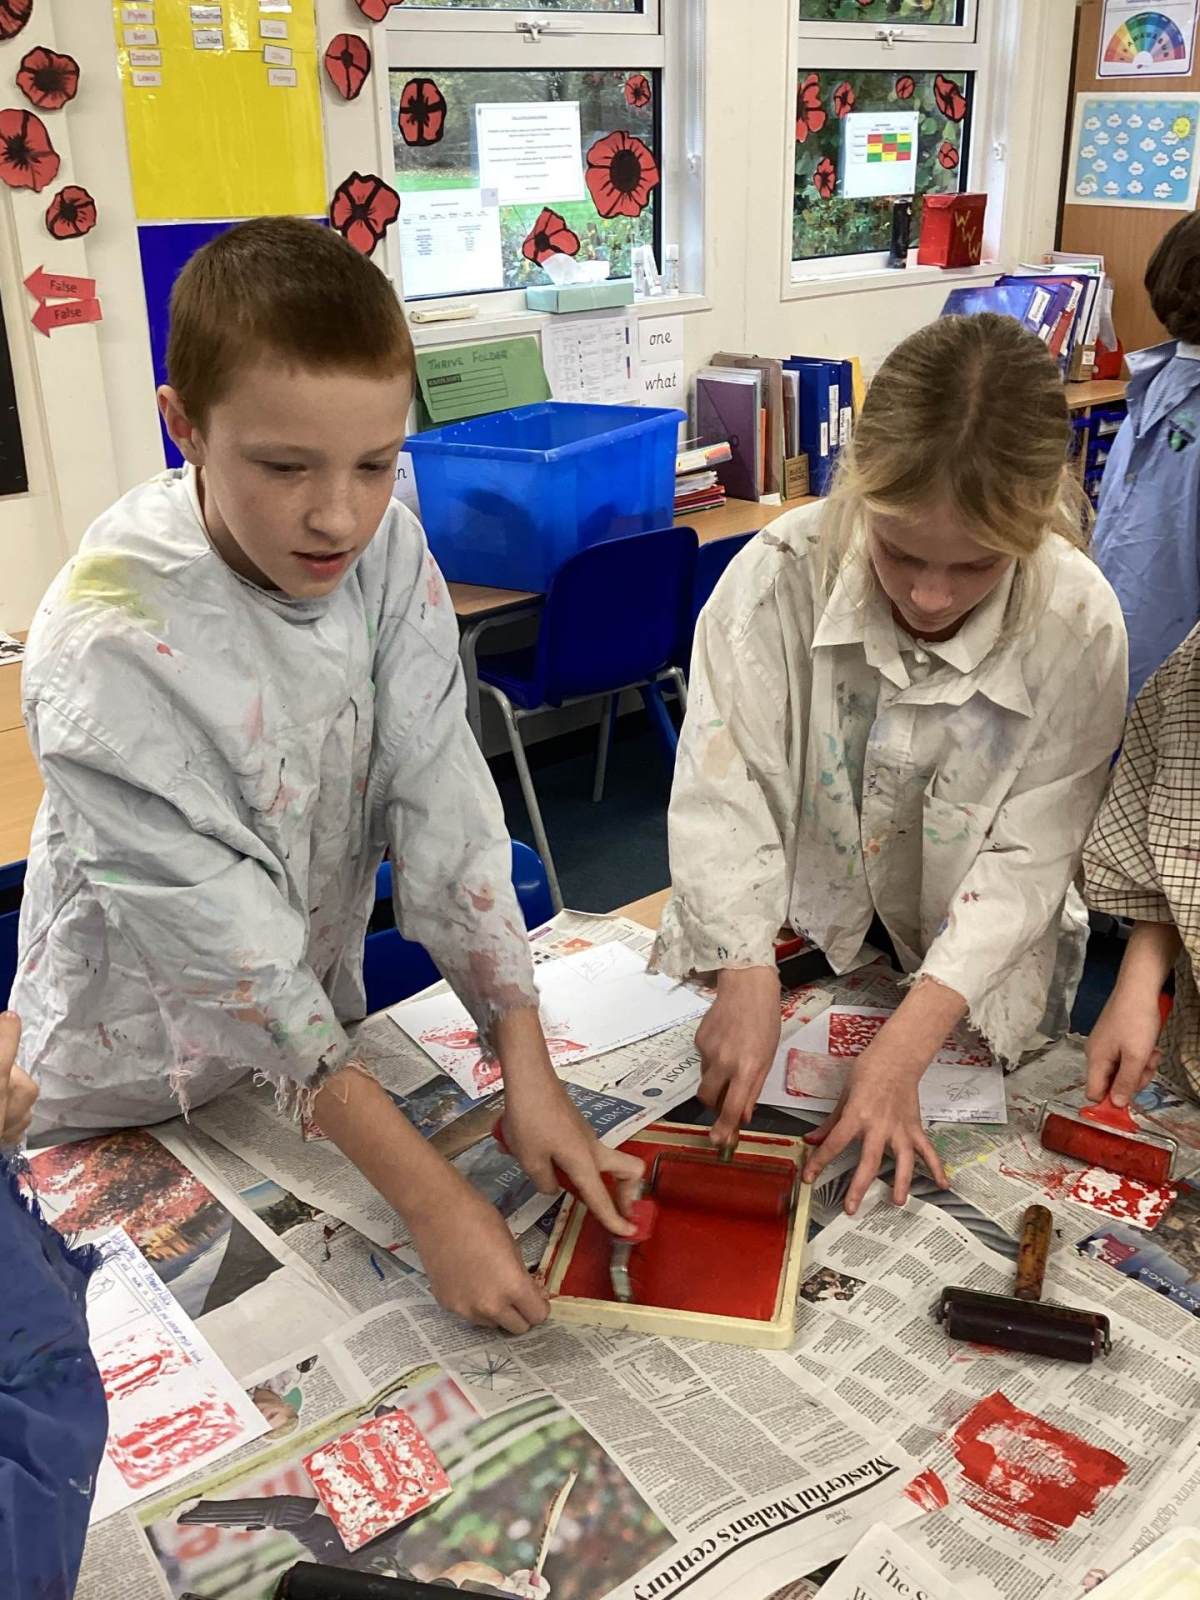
(1065, 299)
(698, 486)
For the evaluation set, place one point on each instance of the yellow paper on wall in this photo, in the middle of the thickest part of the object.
(222, 119)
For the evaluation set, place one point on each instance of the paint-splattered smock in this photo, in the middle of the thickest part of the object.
(1147, 540)
(224, 767)
(831, 768)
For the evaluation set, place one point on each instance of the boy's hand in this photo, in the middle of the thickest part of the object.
(474, 1267)
(18, 1092)
(1122, 1049)
(544, 1130)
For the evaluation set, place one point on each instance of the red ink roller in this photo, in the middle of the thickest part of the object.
(1107, 1135)
(1023, 1321)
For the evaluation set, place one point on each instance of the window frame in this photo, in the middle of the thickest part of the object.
(674, 49)
(824, 52)
(522, 21)
(906, 33)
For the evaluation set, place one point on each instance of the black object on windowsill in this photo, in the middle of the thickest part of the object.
(901, 233)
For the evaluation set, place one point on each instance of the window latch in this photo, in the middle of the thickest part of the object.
(533, 31)
(888, 36)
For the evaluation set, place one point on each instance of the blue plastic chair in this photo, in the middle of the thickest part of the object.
(711, 560)
(611, 621)
(394, 967)
(12, 878)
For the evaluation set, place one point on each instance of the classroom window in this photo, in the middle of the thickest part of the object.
(885, 13)
(931, 148)
(526, 5)
(502, 171)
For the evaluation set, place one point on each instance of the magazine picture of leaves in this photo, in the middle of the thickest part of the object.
(616, 203)
(824, 222)
(127, 1179)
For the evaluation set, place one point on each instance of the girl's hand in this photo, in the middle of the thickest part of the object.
(1122, 1049)
(737, 1041)
(881, 1108)
(18, 1092)
(472, 1263)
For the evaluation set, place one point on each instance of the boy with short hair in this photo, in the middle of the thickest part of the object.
(1147, 538)
(243, 689)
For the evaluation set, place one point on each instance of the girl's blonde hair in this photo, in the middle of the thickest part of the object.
(970, 412)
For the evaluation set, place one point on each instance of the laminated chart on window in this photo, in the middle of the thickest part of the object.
(879, 154)
(1135, 150)
(222, 107)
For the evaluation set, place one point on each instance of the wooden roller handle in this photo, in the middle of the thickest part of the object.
(1036, 1229)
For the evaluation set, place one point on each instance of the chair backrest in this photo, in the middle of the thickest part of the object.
(394, 967)
(711, 560)
(12, 879)
(613, 613)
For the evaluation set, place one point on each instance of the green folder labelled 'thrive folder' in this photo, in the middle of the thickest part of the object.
(470, 380)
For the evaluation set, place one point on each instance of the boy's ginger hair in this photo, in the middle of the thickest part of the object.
(286, 288)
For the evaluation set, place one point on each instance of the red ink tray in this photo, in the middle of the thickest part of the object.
(708, 1271)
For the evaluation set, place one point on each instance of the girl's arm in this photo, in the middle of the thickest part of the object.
(1122, 1049)
(733, 796)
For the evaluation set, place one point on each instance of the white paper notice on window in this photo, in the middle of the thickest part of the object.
(530, 153)
(879, 154)
(450, 242)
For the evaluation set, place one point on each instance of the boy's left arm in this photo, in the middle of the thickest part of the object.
(452, 872)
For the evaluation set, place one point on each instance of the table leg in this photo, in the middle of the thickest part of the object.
(466, 654)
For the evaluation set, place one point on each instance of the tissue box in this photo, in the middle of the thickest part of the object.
(952, 230)
(580, 296)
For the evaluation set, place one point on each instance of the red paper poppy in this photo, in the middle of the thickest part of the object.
(362, 210)
(951, 101)
(621, 172)
(810, 113)
(376, 10)
(422, 118)
(638, 92)
(865, 3)
(71, 213)
(843, 99)
(905, 86)
(825, 178)
(27, 158)
(348, 63)
(948, 155)
(47, 79)
(14, 14)
(548, 237)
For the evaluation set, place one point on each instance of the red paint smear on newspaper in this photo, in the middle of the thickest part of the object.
(1028, 1474)
(375, 1476)
(928, 1491)
(138, 1361)
(159, 1445)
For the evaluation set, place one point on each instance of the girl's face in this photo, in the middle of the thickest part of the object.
(932, 570)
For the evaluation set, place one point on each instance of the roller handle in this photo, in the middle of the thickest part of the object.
(1036, 1229)
(643, 1213)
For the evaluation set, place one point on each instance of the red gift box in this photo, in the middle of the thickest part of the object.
(952, 230)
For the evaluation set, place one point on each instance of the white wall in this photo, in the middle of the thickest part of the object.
(87, 394)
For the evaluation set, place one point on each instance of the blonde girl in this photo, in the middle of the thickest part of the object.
(904, 702)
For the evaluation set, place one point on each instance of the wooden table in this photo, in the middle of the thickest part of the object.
(648, 910)
(1096, 392)
(20, 781)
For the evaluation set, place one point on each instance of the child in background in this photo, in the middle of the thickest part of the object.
(1147, 539)
(53, 1416)
(241, 690)
(1142, 861)
(904, 702)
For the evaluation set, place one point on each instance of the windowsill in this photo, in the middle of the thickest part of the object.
(808, 288)
(507, 324)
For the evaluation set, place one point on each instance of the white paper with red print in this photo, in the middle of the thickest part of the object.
(375, 1476)
(812, 1067)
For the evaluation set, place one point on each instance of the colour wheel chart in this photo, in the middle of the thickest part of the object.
(1137, 40)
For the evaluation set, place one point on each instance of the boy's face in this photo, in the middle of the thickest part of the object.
(296, 470)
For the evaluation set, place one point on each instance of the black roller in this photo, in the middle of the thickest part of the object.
(1028, 1326)
(308, 1582)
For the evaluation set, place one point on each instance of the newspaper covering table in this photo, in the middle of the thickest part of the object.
(702, 1471)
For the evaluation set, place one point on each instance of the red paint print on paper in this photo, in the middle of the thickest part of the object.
(1142, 1205)
(375, 1476)
(136, 1362)
(1027, 1473)
(928, 1491)
(850, 1033)
(162, 1444)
